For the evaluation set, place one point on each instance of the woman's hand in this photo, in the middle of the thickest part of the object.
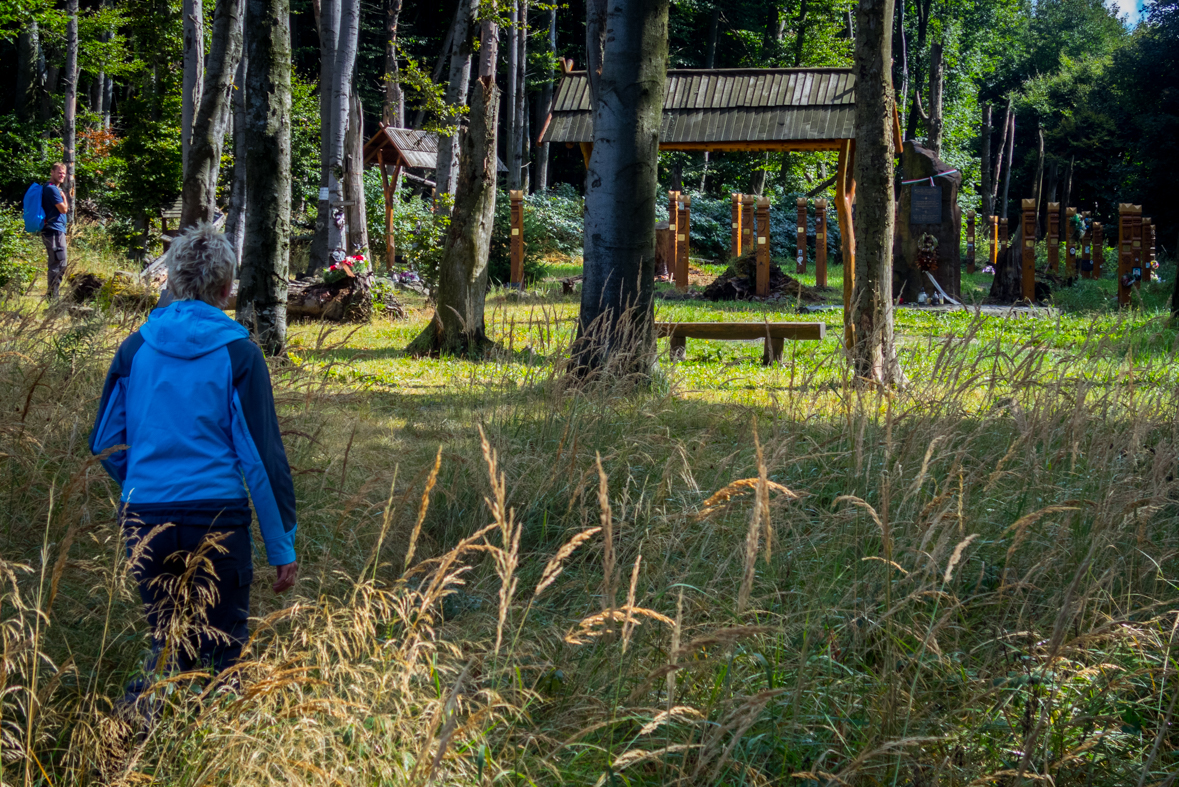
(286, 577)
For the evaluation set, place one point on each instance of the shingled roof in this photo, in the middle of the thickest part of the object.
(736, 108)
(409, 147)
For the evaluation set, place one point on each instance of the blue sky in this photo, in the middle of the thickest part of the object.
(1130, 8)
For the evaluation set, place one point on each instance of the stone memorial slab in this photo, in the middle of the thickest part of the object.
(926, 205)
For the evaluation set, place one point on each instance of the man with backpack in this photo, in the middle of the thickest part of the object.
(53, 231)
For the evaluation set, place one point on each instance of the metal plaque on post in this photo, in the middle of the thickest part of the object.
(925, 205)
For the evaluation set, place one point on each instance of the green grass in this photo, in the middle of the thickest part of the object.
(941, 584)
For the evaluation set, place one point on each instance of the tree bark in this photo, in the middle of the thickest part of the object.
(513, 75)
(520, 151)
(69, 130)
(937, 78)
(262, 296)
(394, 110)
(194, 68)
(1010, 158)
(541, 181)
(235, 219)
(446, 174)
(615, 324)
(988, 204)
(903, 64)
(1039, 186)
(799, 36)
(208, 129)
(328, 20)
(28, 53)
(457, 327)
(915, 114)
(873, 353)
(595, 44)
(998, 158)
(354, 180)
(342, 70)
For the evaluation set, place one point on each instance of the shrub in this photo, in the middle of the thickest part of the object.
(19, 260)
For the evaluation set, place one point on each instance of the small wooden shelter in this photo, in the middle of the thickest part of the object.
(401, 149)
(740, 109)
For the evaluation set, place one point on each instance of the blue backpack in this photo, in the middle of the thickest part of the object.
(34, 210)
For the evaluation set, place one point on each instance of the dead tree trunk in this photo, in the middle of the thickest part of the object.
(394, 110)
(457, 327)
(262, 296)
(615, 324)
(354, 180)
(208, 128)
(872, 351)
(194, 69)
(70, 126)
(446, 174)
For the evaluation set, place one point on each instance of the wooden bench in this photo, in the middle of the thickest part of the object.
(774, 334)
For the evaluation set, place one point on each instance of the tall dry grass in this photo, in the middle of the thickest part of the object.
(969, 581)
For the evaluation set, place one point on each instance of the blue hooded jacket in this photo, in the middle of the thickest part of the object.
(189, 395)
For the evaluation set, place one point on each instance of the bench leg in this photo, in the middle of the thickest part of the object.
(772, 351)
(678, 346)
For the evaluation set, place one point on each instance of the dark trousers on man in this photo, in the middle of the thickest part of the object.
(197, 596)
(55, 249)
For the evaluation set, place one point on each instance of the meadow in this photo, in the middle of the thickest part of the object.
(739, 575)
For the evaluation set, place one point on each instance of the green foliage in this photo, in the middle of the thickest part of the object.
(442, 117)
(304, 142)
(19, 262)
(499, 261)
(24, 155)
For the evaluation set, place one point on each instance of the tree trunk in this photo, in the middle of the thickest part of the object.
(394, 110)
(998, 158)
(873, 354)
(208, 129)
(457, 327)
(446, 174)
(520, 151)
(512, 130)
(799, 36)
(194, 68)
(346, 45)
(436, 74)
(937, 78)
(69, 130)
(28, 52)
(615, 325)
(235, 220)
(988, 204)
(541, 181)
(107, 101)
(354, 180)
(1039, 185)
(1010, 158)
(328, 20)
(915, 113)
(262, 296)
(1068, 189)
(595, 44)
(903, 64)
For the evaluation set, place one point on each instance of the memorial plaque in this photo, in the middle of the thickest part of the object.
(925, 205)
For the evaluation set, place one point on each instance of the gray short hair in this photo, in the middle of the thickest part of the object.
(200, 262)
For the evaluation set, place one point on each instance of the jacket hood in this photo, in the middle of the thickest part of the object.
(190, 329)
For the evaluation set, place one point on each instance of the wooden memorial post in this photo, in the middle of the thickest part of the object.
(390, 251)
(1136, 245)
(1147, 248)
(673, 222)
(1070, 244)
(747, 207)
(994, 220)
(735, 249)
(801, 225)
(1028, 257)
(1086, 249)
(970, 241)
(1098, 249)
(821, 243)
(1126, 279)
(517, 199)
(1004, 236)
(664, 243)
(682, 242)
(1053, 237)
(763, 247)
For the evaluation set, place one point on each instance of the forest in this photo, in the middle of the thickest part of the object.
(668, 392)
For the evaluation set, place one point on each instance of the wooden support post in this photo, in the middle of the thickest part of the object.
(587, 150)
(771, 352)
(801, 235)
(735, 247)
(970, 241)
(747, 208)
(1086, 248)
(1053, 239)
(1098, 249)
(664, 243)
(1125, 252)
(1004, 236)
(1147, 248)
(678, 348)
(1028, 257)
(845, 193)
(821, 243)
(994, 220)
(1070, 244)
(517, 200)
(683, 242)
(1136, 245)
(763, 247)
(673, 222)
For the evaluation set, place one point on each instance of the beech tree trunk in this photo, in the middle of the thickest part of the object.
(1010, 158)
(872, 351)
(28, 52)
(988, 203)
(615, 324)
(513, 75)
(799, 36)
(520, 151)
(595, 43)
(1039, 186)
(394, 110)
(208, 129)
(69, 130)
(541, 181)
(262, 296)
(937, 79)
(341, 87)
(457, 327)
(923, 8)
(235, 219)
(998, 158)
(446, 174)
(354, 180)
(194, 67)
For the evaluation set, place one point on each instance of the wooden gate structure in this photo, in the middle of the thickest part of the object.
(747, 110)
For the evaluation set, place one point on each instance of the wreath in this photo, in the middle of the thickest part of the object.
(926, 253)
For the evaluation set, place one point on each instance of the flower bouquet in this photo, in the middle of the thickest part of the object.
(346, 268)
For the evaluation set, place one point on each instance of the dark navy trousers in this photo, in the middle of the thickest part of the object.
(198, 617)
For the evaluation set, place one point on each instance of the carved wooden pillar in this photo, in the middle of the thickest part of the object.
(1147, 249)
(683, 242)
(517, 200)
(970, 241)
(1098, 249)
(1053, 237)
(994, 241)
(747, 208)
(821, 242)
(763, 247)
(1004, 236)
(1070, 244)
(673, 221)
(735, 249)
(1028, 256)
(1087, 248)
(801, 225)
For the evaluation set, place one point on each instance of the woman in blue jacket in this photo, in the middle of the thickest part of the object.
(189, 396)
